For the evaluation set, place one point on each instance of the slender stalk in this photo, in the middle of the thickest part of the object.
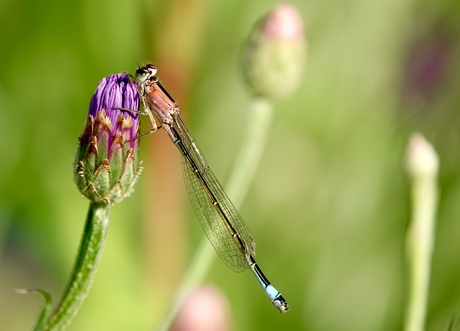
(247, 161)
(46, 311)
(422, 166)
(251, 151)
(89, 255)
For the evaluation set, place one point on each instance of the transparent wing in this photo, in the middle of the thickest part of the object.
(220, 220)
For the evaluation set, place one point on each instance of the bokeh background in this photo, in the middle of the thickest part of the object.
(329, 206)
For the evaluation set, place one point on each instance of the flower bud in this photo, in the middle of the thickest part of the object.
(107, 164)
(421, 158)
(275, 55)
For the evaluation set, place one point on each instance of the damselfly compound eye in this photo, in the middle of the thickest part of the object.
(151, 69)
(145, 73)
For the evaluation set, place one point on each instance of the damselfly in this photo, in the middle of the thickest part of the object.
(219, 219)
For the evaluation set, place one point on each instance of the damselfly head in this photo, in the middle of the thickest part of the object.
(145, 73)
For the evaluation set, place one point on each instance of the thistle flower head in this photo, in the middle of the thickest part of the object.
(107, 164)
(275, 54)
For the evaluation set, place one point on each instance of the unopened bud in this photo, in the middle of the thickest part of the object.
(421, 158)
(107, 164)
(275, 55)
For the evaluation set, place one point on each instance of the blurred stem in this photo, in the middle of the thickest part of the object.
(252, 148)
(46, 308)
(89, 255)
(420, 236)
(252, 145)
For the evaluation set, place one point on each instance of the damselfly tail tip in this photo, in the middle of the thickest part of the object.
(281, 304)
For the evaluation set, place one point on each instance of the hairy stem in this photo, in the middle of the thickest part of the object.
(89, 255)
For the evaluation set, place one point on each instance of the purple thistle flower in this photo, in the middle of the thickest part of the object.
(107, 164)
(112, 94)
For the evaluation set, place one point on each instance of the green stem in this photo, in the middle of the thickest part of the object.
(420, 242)
(251, 151)
(420, 235)
(247, 162)
(89, 255)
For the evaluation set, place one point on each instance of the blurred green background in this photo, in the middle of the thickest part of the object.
(329, 206)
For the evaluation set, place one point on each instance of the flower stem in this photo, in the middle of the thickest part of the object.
(422, 166)
(251, 151)
(89, 255)
(247, 161)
